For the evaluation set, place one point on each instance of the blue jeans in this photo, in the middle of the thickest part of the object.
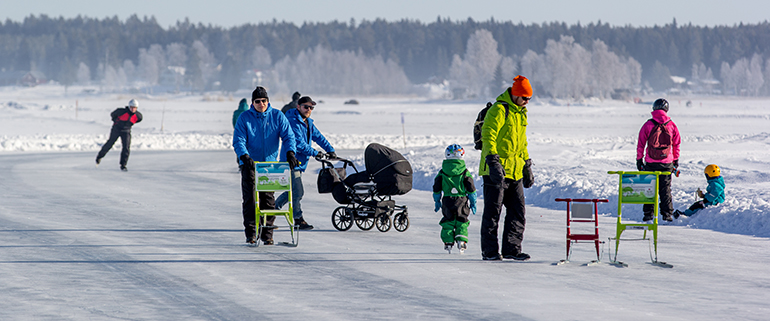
(297, 192)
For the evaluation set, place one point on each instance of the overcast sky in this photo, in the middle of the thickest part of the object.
(228, 13)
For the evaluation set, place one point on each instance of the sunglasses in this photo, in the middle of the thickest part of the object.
(260, 101)
(526, 98)
(311, 107)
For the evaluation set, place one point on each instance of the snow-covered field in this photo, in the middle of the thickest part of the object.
(164, 241)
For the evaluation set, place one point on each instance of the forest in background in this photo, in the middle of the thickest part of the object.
(381, 57)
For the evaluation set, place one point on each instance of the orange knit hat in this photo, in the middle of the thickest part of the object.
(521, 87)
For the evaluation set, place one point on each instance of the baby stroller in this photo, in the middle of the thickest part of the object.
(366, 195)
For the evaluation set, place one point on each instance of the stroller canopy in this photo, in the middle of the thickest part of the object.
(388, 169)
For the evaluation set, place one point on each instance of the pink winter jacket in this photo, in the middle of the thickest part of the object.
(661, 117)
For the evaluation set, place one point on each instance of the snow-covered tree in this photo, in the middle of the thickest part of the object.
(755, 77)
(260, 58)
(176, 54)
(476, 70)
(148, 69)
(83, 74)
(338, 72)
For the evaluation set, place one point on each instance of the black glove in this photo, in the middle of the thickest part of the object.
(676, 163)
(293, 162)
(529, 178)
(319, 155)
(331, 155)
(640, 164)
(247, 161)
(496, 170)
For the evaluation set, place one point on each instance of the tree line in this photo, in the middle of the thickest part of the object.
(401, 52)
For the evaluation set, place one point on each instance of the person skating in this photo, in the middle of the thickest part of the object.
(456, 184)
(715, 192)
(122, 121)
(505, 170)
(256, 138)
(657, 149)
(305, 133)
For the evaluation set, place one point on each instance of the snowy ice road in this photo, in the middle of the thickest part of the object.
(164, 242)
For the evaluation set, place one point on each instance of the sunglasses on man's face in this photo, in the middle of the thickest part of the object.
(311, 107)
(260, 101)
(526, 98)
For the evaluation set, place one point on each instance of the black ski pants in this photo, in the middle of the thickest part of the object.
(510, 194)
(266, 201)
(125, 140)
(664, 190)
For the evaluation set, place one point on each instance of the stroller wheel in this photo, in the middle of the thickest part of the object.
(383, 222)
(341, 219)
(401, 221)
(365, 223)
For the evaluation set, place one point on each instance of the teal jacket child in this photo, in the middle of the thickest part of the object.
(456, 184)
(715, 192)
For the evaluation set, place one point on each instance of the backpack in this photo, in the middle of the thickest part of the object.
(480, 122)
(659, 141)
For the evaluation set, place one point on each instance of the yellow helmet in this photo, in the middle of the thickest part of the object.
(712, 171)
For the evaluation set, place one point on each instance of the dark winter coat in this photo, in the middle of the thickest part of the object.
(305, 133)
(123, 119)
(258, 134)
(242, 106)
(292, 105)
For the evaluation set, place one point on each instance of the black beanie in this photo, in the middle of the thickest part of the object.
(259, 92)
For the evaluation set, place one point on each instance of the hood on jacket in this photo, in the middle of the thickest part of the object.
(243, 105)
(453, 167)
(660, 116)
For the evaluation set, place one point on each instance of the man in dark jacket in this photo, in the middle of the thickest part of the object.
(122, 120)
(256, 138)
(293, 104)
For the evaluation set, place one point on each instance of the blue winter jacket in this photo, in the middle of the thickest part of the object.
(715, 192)
(304, 135)
(257, 134)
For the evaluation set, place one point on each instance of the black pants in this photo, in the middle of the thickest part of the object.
(125, 140)
(511, 195)
(664, 190)
(266, 201)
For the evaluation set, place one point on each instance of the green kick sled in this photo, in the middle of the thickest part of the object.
(274, 177)
(638, 187)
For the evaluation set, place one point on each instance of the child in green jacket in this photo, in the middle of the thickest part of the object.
(458, 188)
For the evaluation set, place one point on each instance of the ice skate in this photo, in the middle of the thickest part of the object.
(462, 245)
(448, 247)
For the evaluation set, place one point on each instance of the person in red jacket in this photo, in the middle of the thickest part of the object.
(122, 120)
(657, 149)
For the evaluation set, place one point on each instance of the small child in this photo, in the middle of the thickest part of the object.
(715, 192)
(457, 185)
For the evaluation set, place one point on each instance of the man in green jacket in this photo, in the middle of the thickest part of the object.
(505, 170)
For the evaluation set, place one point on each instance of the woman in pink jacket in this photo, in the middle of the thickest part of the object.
(657, 149)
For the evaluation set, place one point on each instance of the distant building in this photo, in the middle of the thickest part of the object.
(22, 78)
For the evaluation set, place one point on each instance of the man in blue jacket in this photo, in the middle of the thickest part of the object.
(256, 136)
(305, 133)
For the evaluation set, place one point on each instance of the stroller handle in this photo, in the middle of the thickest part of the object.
(328, 162)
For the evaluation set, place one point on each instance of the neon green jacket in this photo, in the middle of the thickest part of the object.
(505, 137)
